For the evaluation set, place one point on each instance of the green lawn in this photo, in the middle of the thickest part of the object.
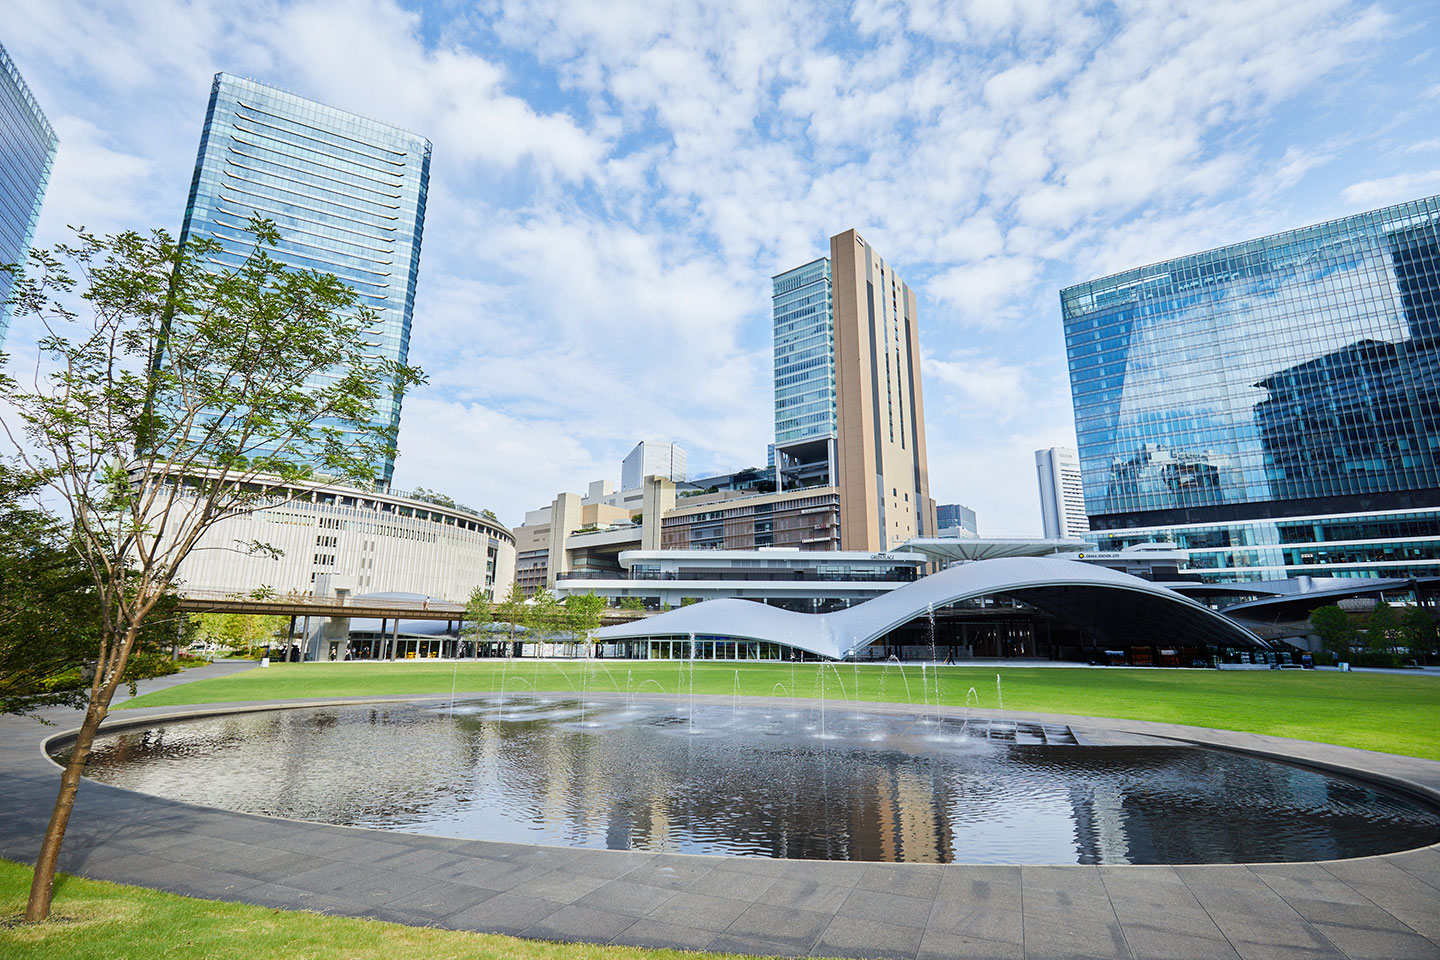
(1389, 712)
(111, 921)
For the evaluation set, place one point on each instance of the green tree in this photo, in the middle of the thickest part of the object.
(1336, 631)
(582, 613)
(1381, 628)
(237, 631)
(632, 603)
(49, 615)
(433, 496)
(511, 609)
(477, 614)
(174, 393)
(220, 628)
(544, 616)
(1418, 631)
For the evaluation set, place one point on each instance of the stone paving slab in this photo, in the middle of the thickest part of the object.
(1374, 907)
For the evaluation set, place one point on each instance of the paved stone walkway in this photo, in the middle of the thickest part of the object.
(1385, 908)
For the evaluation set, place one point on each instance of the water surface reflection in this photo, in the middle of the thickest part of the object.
(761, 782)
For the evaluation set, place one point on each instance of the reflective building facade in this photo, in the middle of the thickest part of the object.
(803, 307)
(956, 516)
(1271, 406)
(347, 194)
(27, 150)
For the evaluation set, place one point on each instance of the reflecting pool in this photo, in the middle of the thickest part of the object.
(732, 778)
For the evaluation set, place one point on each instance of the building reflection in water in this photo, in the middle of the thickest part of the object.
(875, 787)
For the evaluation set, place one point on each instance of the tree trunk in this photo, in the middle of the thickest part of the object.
(42, 886)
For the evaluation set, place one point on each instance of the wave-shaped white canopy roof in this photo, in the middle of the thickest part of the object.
(1114, 608)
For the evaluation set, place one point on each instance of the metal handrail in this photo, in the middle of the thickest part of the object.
(335, 602)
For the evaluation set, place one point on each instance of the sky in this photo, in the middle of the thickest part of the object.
(613, 185)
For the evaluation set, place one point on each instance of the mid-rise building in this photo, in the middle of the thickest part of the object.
(586, 533)
(848, 402)
(651, 458)
(1271, 407)
(955, 519)
(804, 519)
(27, 151)
(582, 538)
(329, 539)
(1062, 493)
(568, 516)
(346, 192)
(801, 580)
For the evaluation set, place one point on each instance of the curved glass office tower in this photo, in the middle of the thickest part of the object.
(1273, 406)
(347, 193)
(27, 150)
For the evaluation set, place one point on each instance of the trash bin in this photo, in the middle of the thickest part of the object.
(264, 661)
(1344, 666)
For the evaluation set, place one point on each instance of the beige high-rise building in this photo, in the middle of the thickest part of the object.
(849, 409)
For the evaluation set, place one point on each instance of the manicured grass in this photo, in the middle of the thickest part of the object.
(1387, 712)
(111, 921)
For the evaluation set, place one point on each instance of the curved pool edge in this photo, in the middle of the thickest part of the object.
(1380, 905)
(1365, 766)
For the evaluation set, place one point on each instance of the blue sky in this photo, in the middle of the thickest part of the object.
(614, 184)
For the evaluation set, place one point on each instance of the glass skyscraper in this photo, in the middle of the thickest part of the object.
(1272, 406)
(803, 309)
(849, 410)
(347, 194)
(27, 150)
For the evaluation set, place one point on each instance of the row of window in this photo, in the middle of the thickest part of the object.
(1307, 532)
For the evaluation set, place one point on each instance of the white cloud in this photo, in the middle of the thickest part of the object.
(1428, 145)
(1295, 164)
(93, 184)
(982, 291)
(988, 387)
(975, 239)
(367, 55)
(488, 460)
(1403, 186)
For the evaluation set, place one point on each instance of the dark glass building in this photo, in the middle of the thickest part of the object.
(347, 193)
(27, 150)
(1271, 406)
(956, 515)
